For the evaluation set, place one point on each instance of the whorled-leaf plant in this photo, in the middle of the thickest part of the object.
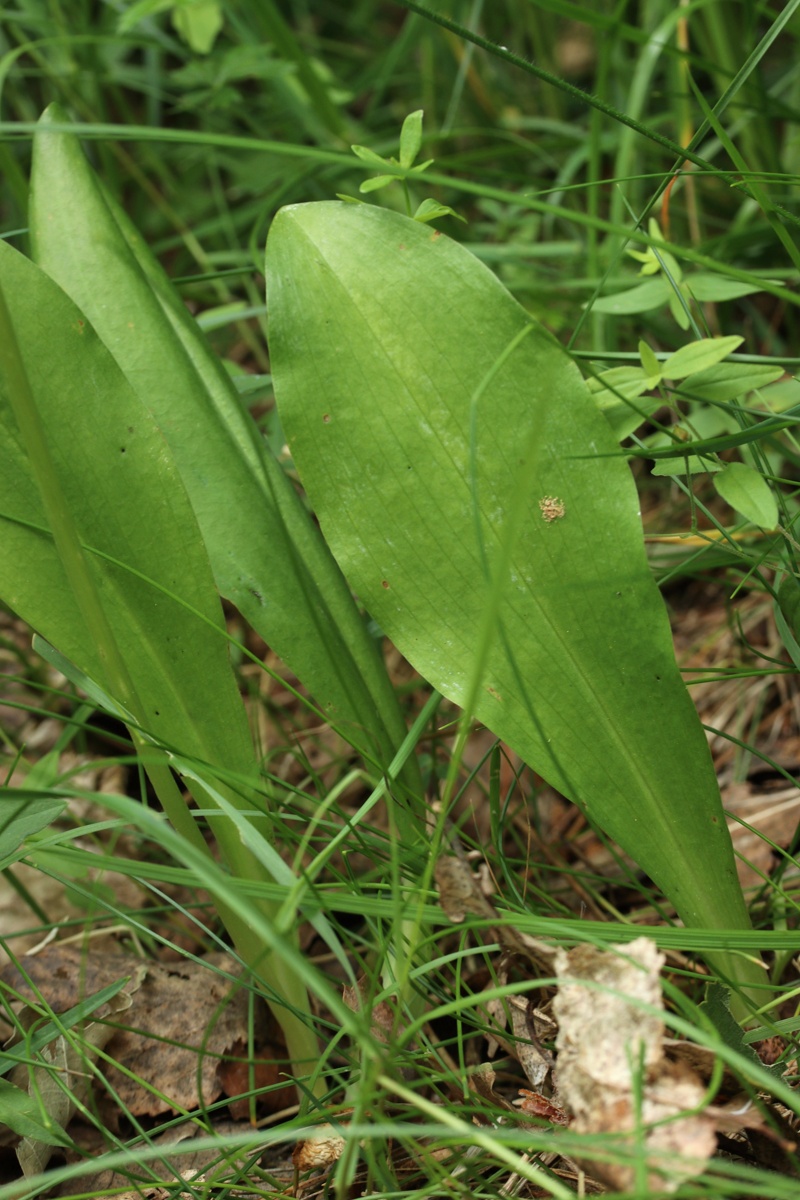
(478, 503)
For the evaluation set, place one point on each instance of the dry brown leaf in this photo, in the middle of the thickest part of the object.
(772, 814)
(52, 897)
(185, 1017)
(63, 974)
(610, 1049)
(539, 1106)
(460, 892)
(534, 1059)
(261, 1070)
(706, 1066)
(63, 1079)
(171, 1165)
(320, 1151)
(482, 1080)
(527, 1026)
(383, 1019)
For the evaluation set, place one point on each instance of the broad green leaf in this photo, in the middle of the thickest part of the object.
(789, 629)
(706, 423)
(198, 22)
(691, 465)
(432, 421)
(699, 356)
(783, 395)
(609, 387)
(789, 600)
(376, 183)
(710, 288)
(746, 490)
(656, 259)
(20, 818)
(129, 597)
(432, 210)
(643, 298)
(650, 364)
(678, 306)
(716, 1008)
(728, 380)
(619, 395)
(369, 156)
(132, 515)
(410, 138)
(667, 262)
(91, 689)
(266, 554)
(625, 418)
(23, 1114)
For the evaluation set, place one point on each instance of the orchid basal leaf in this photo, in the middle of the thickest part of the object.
(425, 412)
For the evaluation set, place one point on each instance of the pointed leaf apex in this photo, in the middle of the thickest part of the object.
(410, 138)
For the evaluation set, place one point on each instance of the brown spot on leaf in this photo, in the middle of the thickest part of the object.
(552, 508)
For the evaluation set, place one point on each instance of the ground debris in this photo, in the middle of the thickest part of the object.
(611, 1071)
(460, 892)
(184, 1019)
(319, 1151)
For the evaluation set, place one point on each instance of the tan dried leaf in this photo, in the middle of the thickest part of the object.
(382, 1016)
(320, 1151)
(539, 1106)
(261, 1070)
(63, 1079)
(606, 1037)
(602, 1029)
(770, 819)
(459, 891)
(174, 1164)
(534, 1059)
(183, 1012)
